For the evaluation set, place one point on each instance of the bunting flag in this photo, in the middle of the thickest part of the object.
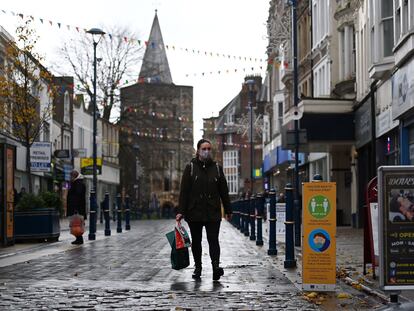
(151, 44)
(155, 115)
(156, 133)
(241, 145)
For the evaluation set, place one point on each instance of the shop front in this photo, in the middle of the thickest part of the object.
(7, 168)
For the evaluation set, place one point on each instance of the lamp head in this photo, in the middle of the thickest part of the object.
(96, 31)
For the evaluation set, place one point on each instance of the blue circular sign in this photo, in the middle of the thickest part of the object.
(319, 240)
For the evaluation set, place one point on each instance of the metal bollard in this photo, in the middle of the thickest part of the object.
(246, 216)
(237, 214)
(272, 223)
(260, 202)
(290, 261)
(92, 216)
(252, 212)
(101, 212)
(106, 215)
(241, 209)
(119, 213)
(127, 213)
(114, 211)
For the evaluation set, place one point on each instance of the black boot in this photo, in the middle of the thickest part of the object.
(217, 271)
(197, 272)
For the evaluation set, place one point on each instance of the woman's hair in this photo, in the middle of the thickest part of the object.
(202, 141)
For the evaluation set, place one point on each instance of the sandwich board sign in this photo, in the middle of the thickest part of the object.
(396, 227)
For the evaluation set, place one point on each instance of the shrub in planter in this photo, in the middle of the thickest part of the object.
(37, 217)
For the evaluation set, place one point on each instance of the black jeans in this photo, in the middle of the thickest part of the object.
(212, 229)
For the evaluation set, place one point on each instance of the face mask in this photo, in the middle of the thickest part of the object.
(205, 154)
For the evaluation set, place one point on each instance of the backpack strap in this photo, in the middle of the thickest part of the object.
(191, 169)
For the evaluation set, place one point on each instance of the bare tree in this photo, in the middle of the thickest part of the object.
(118, 56)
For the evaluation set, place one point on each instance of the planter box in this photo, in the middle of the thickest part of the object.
(38, 224)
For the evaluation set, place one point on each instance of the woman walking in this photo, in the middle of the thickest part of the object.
(203, 187)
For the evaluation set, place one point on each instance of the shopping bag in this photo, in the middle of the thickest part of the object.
(180, 258)
(77, 225)
(182, 239)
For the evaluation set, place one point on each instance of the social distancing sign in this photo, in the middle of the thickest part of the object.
(319, 241)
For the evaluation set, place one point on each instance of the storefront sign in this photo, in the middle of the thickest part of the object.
(9, 193)
(40, 156)
(385, 123)
(319, 242)
(363, 124)
(403, 90)
(87, 166)
(396, 227)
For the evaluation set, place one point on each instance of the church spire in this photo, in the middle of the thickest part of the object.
(155, 66)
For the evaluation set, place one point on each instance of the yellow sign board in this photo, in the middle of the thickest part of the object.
(85, 162)
(319, 241)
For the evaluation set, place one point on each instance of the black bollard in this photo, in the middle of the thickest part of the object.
(272, 223)
(260, 202)
(246, 215)
(92, 216)
(101, 213)
(119, 213)
(252, 212)
(241, 209)
(127, 213)
(106, 214)
(114, 211)
(290, 261)
(237, 214)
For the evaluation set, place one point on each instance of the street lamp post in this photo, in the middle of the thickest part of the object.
(92, 216)
(251, 84)
(297, 203)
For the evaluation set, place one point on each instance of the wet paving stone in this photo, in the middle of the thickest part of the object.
(132, 271)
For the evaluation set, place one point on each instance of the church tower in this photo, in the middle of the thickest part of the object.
(156, 140)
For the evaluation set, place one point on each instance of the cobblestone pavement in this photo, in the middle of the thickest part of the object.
(131, 271)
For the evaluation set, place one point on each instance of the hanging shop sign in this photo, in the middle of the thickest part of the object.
(396, 227)
(41, 157)
(319, 242)
(87, 166)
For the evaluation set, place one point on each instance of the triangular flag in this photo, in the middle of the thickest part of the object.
(110, 36)
(68, 27)
(139, 42)
(126, 39)
(41, 20)
(21, 15)
(51, 23)
(146, 43)
(4, 11)
(58, 25)
(77, 28)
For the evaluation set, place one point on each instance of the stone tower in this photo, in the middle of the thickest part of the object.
(156, 140)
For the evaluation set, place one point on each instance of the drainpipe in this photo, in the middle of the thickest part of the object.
(373, 160)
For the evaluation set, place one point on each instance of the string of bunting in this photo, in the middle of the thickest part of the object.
(240, 145)
(151, 44)
(153, 133)
(156, 115)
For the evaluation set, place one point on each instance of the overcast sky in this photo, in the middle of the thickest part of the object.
(231, 27)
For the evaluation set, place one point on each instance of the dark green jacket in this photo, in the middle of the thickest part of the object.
(202, 190)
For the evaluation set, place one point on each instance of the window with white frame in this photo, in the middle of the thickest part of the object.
(346, 52)
(322, 78)
(402, 24)
(387, 27)
(66, 108)
(320, 20)
(46, 131)
(229, 139)
(81, 137)
(230, 117)
(230, 168)
(66, 141)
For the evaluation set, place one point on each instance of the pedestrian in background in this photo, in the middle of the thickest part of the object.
(76, 199)
(203, 186)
